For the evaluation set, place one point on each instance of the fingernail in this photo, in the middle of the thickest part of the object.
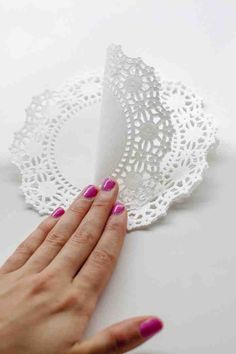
(150, 327)
(90, 192)
(118, 208)
(58, 212)
(108, 184)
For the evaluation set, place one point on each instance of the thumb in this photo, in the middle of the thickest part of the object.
(121, 337)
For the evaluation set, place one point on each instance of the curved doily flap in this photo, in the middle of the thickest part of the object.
(135, 129)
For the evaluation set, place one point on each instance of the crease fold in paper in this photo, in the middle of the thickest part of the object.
(112, 136)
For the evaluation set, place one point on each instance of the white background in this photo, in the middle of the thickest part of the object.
(183, 268)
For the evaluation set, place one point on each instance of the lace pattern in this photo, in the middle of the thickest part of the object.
(168, 139)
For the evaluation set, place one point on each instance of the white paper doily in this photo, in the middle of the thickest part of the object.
(162, 146)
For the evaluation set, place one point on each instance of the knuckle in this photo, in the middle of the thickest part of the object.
(42, 282)
(55, 239)
(69, 301)
(115, 342)
(89, 288)
(102, 203)
(84, 235)
(87, 298)
(78, 207)
(85, 306)
(90, 306)
(86, 283)
(115, 226)
(101, 257)
(58, 237)
(44, 226)
(25, 248)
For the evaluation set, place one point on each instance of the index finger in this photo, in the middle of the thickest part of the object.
(100, 265)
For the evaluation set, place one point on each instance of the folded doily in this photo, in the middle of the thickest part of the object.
(152, 135)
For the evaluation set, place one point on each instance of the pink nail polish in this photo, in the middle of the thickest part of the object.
(118, 208)
(150, 327)
(58, 212)
(108, 184)
(90, 192)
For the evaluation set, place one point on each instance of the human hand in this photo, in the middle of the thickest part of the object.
(49, 287)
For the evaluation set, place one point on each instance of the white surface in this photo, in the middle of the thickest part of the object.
(183, 268)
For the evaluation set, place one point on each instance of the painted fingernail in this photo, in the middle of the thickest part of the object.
(90, 191)
(150, 327)
(108, 184)
(117, 209)
(58, 212)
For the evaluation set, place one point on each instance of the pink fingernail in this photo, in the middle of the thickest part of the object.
(58, 212)
(150, 327)
(118, 208)
(90, 192)
(108, 184)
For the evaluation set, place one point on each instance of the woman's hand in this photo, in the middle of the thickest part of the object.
(50, 286)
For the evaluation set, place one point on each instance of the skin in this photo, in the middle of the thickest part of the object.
(50, 286)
